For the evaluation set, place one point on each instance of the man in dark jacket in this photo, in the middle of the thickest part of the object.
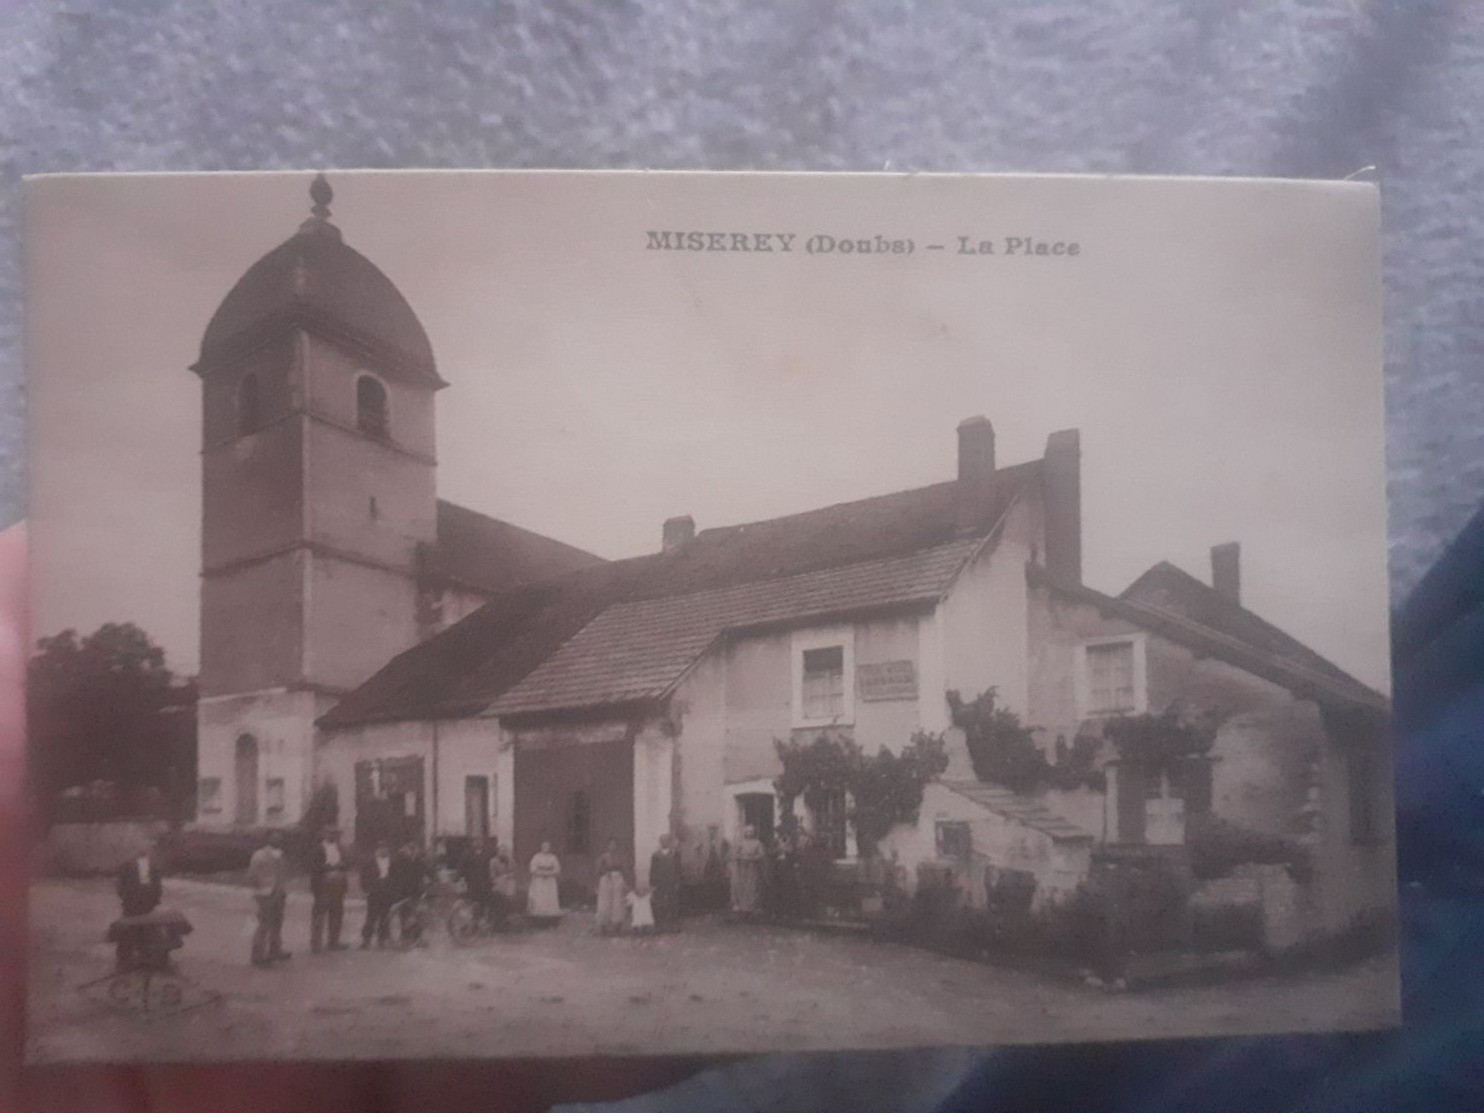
(664, 882)
(139, 890)
(329, 874)
(478, 884)
(139, 885)
(409, 879)
(379, 883)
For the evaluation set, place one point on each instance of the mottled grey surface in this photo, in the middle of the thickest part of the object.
(1194, 86)
(1296, 88)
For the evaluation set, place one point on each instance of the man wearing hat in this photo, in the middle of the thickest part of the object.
(328, 877)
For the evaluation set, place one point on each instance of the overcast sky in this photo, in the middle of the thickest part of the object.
(1218, 345)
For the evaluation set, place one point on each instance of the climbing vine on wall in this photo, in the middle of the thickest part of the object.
(1004, 751)
(884, 789)
(1001, 748)
(1161, 742)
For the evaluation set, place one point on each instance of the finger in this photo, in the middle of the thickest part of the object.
(13, 836)
(14, 641)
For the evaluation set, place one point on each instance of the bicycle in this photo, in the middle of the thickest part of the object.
(416, 915)
(470, 919)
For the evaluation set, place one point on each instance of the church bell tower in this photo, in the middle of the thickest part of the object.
(318, 496)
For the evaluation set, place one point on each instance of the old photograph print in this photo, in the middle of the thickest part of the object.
(547, 614)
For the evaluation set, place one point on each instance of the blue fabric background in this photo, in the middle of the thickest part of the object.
(1288, 87)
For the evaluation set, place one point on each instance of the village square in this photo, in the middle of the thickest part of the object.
(712, 987)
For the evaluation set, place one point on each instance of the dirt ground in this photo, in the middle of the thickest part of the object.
(714, 987)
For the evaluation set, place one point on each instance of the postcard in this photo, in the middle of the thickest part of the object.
(489, 614)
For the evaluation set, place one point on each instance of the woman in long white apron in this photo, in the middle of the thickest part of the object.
(542, 901)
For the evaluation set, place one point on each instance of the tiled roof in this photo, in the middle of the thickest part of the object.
(1224, 631)
(483, 553)
(464, 669)
(1165, 586)
(1023, 809)
(639, 649)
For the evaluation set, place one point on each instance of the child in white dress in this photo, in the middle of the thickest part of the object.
(641, 911)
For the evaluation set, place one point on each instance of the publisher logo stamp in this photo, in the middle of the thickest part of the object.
(146, 995)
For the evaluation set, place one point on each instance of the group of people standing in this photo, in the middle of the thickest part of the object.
(786, 879)
(393, 880)
(622, 903)
(765, 879)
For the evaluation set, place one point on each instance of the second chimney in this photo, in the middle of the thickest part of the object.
(678, 531)
(1061, 487)
(1226, 571)
(975, 450)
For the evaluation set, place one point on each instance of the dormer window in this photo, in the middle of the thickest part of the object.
(249, 404)
(371, 407)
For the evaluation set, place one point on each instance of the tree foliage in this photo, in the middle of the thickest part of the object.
(97, 711)
(883, 789)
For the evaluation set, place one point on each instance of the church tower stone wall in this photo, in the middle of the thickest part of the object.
(318, 463)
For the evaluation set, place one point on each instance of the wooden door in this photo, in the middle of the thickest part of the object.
(575, 795)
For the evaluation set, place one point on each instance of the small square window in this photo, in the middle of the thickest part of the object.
(274, 796)
(209, 795)
(954, 840)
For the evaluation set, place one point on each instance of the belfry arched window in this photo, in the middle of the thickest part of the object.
(249, 404)
(371, 406)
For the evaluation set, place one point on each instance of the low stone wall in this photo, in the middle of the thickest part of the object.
(1288, 917)
(90, 848)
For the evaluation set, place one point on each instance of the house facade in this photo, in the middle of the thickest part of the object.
(449, 674)
(670, 678)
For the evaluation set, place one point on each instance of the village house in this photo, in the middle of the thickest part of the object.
(451, 674)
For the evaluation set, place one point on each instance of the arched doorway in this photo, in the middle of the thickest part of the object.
(247, 780)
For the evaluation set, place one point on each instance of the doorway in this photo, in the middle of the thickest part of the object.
(389, 802)
(755, 809)
(246, 769)
(477, 807)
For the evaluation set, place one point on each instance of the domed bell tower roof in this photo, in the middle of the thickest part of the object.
(315, 281)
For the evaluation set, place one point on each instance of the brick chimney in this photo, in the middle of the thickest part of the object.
(1061, 492)
(975, 450)
(975, 474)
(1226, 571)
(678, 531)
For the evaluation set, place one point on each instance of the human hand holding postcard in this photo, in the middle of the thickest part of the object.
(559, 614)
